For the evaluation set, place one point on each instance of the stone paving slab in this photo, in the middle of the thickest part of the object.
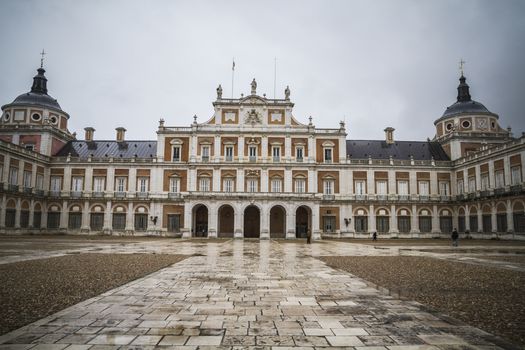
(249, 295)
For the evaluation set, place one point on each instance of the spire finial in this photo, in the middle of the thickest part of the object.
(42, 54)
(461, 64)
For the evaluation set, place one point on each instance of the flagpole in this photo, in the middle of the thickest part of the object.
(274, 75)
(233, 71)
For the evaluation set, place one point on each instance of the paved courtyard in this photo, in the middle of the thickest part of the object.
(248, 295)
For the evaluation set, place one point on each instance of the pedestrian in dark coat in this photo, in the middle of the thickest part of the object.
(308, 237)
(455, 237)
(374, 236)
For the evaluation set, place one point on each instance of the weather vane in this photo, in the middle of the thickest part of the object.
(42, 58)
(461, 64)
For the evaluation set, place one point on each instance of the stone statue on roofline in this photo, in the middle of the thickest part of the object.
(219, 92)
(287, 93)
(254, 86)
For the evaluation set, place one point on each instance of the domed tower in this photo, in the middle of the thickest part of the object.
(467, 125)
(35, 120)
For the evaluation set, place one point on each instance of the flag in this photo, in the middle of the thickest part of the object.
(233, 66)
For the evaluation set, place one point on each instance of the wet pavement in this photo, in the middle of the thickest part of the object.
(250, 295)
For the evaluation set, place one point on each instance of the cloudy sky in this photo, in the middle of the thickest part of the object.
(372, 63)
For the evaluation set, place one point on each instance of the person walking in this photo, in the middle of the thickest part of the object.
(374, 236)
(308, 237)
(455, 237)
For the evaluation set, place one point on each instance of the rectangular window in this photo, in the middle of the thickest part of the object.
(205, 153)
(461, 224)
(174, 184)
(276, 154)
(10, 217)
(228, 151)
(56, 184)
(252, 185)
(176, 154)
(382, 224)
(39, 182)
(403, 223)
(328, 224)
(445, 224)
(473, 222)
(27, 179)
(499, 178)
(53, 220)
(485, 185)
(299, 154)
(381, 187)
(77, 183)
(75, 220)
(423, 188)
(328, 155)
(204, 184)
(143, 184)
(119, 221)
(402, 187)
(141, 222)
(276, 185)
(501, 223)
(96, 221)
(99, 184)
(360, 188)
(515, 175)
(361, 223)
(460, 186)
(252, 153)
(37, 219)
(519, 222)
(486, 221)
(425, 223)
(472, 184)
(444, 188)
(13, 176)
(328, 186)
(120, 184)
(300, 185)
(173, 222)
(228, 185)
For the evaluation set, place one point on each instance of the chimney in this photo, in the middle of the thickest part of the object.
(90, 132)
(389, 135)
(120, 134)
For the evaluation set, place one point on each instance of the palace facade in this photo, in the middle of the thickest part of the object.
(254, 170)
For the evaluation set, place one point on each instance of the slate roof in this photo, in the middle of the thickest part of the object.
(378, 149)
(107, 149)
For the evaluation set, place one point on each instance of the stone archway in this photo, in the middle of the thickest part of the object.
(200, 221)
(277, 222)
(226, 217)
(303, 221)
(252, 222)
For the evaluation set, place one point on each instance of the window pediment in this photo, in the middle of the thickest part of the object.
(176, 142)
(328, 144)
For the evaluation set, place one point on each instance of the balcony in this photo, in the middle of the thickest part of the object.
(119, 194)
(40, 193)
(444, 198)
(205, 159)
(499, 191)
(328, 197)
(28, 190)
(328, 161)
(228, 158)
(174, 195)
(424, 197)
(471, 195)
(97, 194)
(382, 197)
(360, 197)
(276, 159)
(142, 195)
(75, 194)
(516, 189)
(252, 159)
(12, 188)
(484, 193)
(403, 197)
(54, 193)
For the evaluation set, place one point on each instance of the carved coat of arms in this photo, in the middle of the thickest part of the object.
(253, 117)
